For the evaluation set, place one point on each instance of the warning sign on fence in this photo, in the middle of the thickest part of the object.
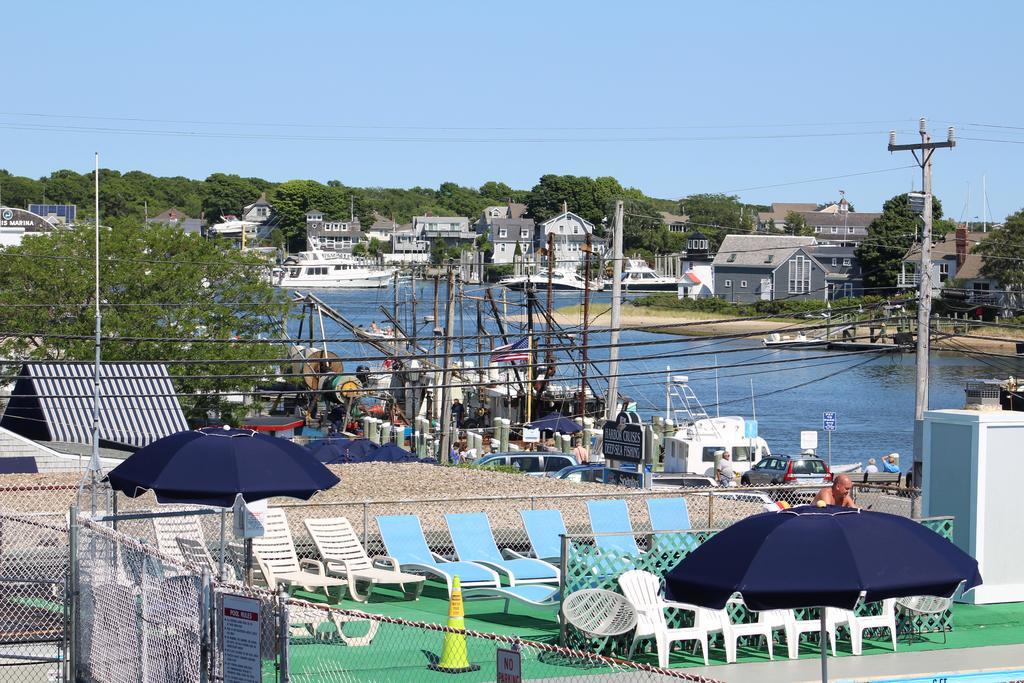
(241, 640)
(510, 666)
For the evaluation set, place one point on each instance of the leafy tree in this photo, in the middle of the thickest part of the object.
(438, 252)
(226, 194)
(499, 193)
(889, 238)
(1001, 256)
(796, 225)
(156, 282)
(586, 197)
(718, 210)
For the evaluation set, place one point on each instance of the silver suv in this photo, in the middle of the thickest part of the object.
(537, 464)
(787, 469)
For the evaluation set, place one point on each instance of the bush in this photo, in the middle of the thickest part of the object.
(792, 307)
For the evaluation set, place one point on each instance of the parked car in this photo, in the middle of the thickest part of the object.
(537, 464)
(677, 480)
(788, 469)
(592, 472)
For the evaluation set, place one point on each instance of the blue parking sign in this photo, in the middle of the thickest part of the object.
(828, 421)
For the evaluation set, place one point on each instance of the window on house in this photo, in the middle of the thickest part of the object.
(847, 262)
(728, 283)
(502, 232)
(835, 262)
(849, 231)
(817, 228)
(835, 229)
(743, 284)
(943, 271)
(799, 274)
(732, 257)
(501, 247)
(524, 233)
(769, 258)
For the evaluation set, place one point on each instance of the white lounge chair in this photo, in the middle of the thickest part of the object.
(345, 557)
(643, 590)
(275, 554)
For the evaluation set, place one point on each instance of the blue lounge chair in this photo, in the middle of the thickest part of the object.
(535, 595)
(544, 528)
(404, 540)
(474, 542)
(668, 514)
(608, 516)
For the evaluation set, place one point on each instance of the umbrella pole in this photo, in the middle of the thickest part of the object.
(824, 647)
(220, 568)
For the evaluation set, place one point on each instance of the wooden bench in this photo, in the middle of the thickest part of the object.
(882, 478)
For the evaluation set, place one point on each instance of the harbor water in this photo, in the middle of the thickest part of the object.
(787, 390)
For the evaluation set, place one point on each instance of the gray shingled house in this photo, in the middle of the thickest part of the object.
(751, 268)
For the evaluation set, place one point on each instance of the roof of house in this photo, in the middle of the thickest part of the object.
(780, 209)
(751, 250)
(53, 402)
(847, 219)
(261, 201)
(669, 218)
(171, 214)
(946, 248)
(569, 215)
(516, 209)
(514, 226)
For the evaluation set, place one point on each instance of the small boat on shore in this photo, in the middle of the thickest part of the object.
(566, 280)
(800, 340)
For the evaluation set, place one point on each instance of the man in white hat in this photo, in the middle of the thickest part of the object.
(890, 463)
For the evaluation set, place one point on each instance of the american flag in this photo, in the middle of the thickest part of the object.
(509, 353)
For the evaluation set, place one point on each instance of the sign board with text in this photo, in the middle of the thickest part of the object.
(531, 435)
(248, 517)
(809, 439)
(241, 640)
(510, 666)
(623, 438)
(828, 421)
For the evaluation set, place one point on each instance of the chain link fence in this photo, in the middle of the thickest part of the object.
(391, 649)
(34, 563)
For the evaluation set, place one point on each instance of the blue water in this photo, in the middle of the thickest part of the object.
(1005, 676)
(873, 397)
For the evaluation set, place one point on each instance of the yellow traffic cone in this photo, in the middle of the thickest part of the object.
(454, 656)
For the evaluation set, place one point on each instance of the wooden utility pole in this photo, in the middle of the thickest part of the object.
(586, 326)
(612, 399)
(550, 358)
(924, 305)
(446, 392)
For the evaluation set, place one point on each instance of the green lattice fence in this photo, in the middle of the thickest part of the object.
(587, 566)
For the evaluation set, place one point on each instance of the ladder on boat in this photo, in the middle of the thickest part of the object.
(689, 408)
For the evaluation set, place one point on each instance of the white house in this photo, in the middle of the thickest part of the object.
(570, 232)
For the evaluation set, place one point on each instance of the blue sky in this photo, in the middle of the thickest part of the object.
(673, 98)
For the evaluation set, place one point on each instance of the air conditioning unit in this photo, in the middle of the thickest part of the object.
(983, 394)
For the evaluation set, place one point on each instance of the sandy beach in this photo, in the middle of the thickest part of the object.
(689, 323)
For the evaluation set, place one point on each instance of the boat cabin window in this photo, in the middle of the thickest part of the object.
(741, 454)
(709, 452)
(294, 272)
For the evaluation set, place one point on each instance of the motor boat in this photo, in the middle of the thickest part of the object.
(691, 449)
(322, 269)
(560, 279)
(640, 277)
(799, 340)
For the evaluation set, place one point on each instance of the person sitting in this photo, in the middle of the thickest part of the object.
(837, 494)
(374, 329)
(890, 464)
(872, 468)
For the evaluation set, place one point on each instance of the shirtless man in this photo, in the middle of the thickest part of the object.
(838, 493)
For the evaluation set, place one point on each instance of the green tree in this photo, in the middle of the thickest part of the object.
(156, 283)
(889, 238)
(586, 197)
(225, 193)
(796, 225)
(1001, 256)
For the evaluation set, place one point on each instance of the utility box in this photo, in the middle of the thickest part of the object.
(972, 461)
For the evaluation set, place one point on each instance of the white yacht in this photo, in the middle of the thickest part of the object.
(692, 448)
(637, 276)
(560, 279)
(322, 269)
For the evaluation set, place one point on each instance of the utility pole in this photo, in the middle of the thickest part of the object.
(613, 351)
(586, 323)
(924, 305)
(446, 392)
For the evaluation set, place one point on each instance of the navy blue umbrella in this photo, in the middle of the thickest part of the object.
(555, 423)
(352, 450)
(820, 557)
(330, 449)
(211, 466)
(390, 452)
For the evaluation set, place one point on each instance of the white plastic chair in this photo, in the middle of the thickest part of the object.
(922, 605)
(887, 619)
(643, 590)
(795, 627)
(345, 557)
(277, 559)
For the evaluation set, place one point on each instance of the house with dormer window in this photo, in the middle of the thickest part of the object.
(508, 234)
(259, 211)
(328, 235)
(570, 233)
(750, 268)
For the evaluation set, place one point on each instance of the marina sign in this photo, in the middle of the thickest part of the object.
(623, 439)
(828, 421)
